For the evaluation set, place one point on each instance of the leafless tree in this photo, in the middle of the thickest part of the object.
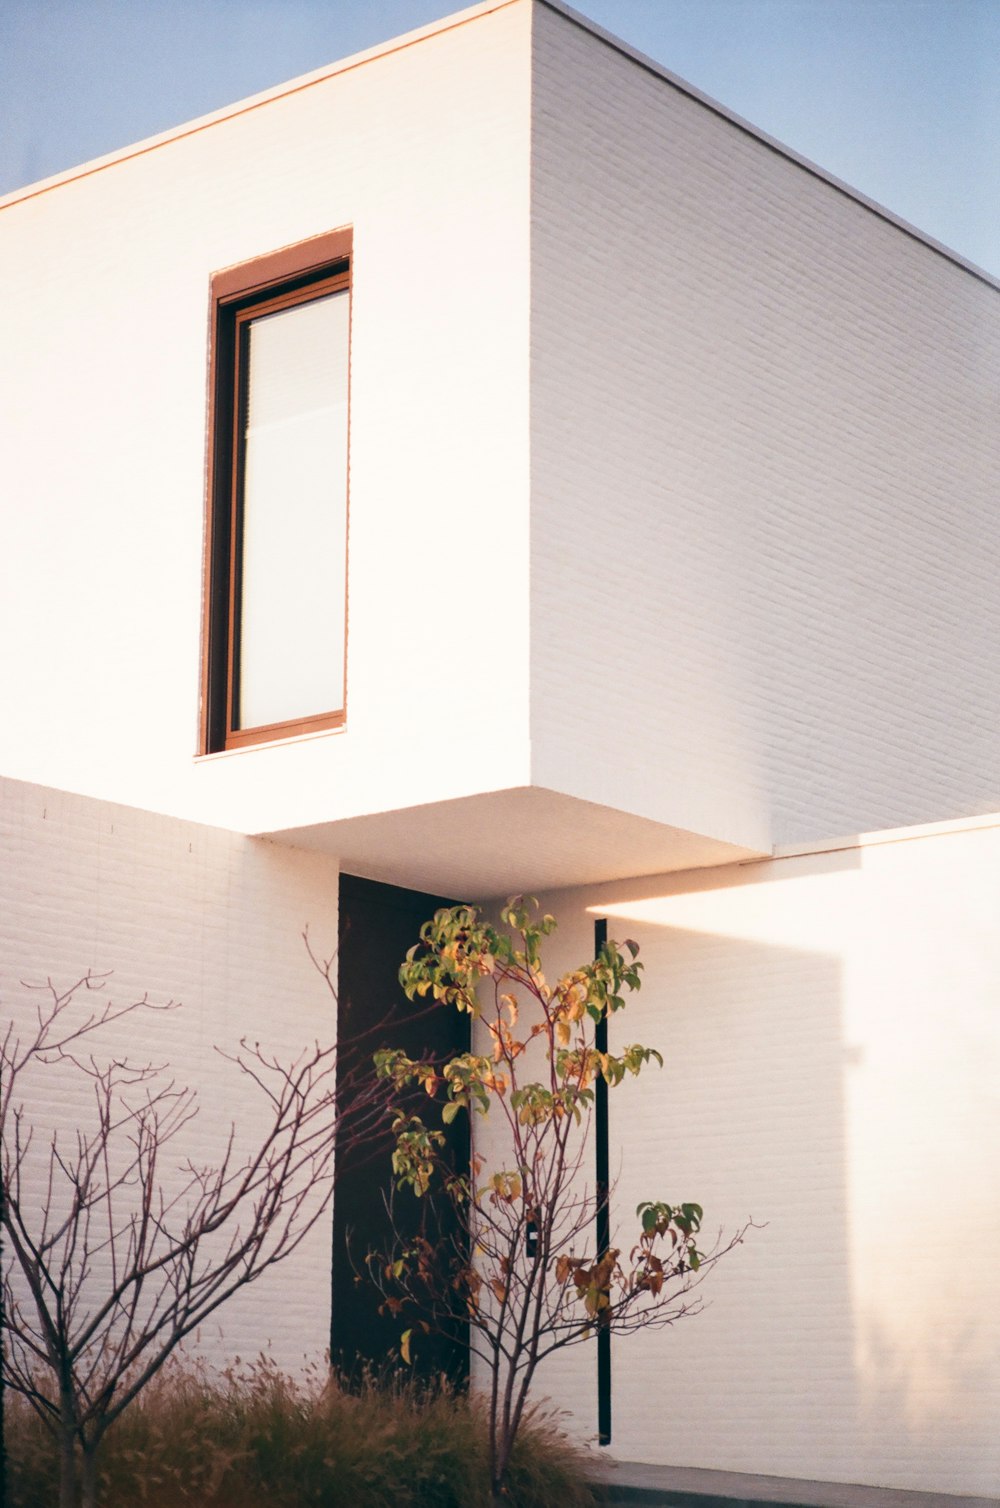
(111, 1256)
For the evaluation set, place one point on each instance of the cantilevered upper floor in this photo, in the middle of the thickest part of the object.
(490, 460)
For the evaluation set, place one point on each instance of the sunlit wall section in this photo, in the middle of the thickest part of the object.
(422, 150)
(832, 1044)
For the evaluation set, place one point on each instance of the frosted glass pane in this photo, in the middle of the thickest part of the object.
(295, 514)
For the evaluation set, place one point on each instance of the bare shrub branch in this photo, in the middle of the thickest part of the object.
(114, 1252)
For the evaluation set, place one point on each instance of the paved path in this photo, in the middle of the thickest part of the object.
(685, 1487)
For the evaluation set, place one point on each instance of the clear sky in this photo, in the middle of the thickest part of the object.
(900, 98)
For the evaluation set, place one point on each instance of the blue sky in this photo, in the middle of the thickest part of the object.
(901, 98)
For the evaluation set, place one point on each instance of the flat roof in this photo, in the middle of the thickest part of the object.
(652, 66)
(449, 23)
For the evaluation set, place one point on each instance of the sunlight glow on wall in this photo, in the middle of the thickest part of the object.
(908, 933)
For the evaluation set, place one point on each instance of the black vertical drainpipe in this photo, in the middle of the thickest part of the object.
(603, 1209)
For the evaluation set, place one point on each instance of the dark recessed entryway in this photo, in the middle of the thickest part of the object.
(378, 923)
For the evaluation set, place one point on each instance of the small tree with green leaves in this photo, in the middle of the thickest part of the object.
(522, 1276)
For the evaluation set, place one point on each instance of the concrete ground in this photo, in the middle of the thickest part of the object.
(630, 1482)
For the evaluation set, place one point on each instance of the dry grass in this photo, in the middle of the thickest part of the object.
(254, 1436)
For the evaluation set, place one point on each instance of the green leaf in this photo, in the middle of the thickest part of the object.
(449, 1112)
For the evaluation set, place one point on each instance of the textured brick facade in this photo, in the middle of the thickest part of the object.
(673, 537)
(193, 914)
(831, 1052)
(765, 451)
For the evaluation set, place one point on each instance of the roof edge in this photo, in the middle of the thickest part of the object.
(449, 23)
(253, 102)
(652, 66)
(879, 836)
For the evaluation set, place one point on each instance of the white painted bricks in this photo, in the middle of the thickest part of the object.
(706, 453)
(204, 917)
(832, 1048)
(693, 451)
(765, 461)
(424, 151)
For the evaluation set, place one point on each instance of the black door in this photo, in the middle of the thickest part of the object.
(378, 923)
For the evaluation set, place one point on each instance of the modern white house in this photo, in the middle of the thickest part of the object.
(487, 465)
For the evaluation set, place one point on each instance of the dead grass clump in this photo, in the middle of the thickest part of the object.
(196, 1439)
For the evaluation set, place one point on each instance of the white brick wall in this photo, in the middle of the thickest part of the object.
(763, 555)
(103, 369)
(764, 453)
(204, 917)
(832, 1057)
(753, 421)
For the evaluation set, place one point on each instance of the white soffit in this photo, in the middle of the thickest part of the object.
(506, 842)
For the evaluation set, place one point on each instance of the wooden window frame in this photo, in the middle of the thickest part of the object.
(284, 279)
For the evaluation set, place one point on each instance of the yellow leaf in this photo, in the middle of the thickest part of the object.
(562, 1032)
(404, 1347)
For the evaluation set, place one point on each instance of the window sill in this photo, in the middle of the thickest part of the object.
(271, 743)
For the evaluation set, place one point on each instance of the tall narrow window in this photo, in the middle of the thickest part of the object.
(276, 614)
